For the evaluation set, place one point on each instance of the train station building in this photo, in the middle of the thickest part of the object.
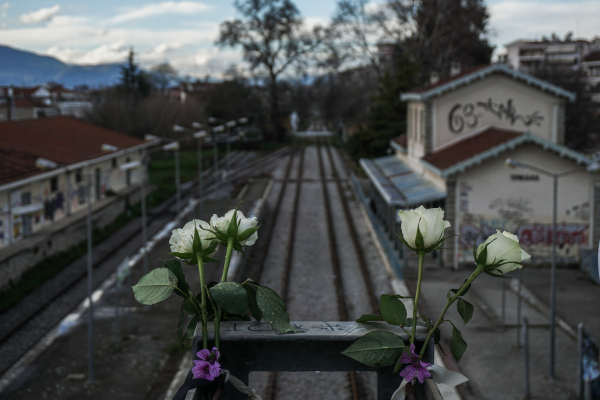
(461, 130)
(47, 164)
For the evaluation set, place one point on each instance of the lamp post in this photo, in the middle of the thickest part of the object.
(200, 136)
(592, 167)
(215, 130)
(174, 147)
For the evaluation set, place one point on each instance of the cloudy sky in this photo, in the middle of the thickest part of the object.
(183, 32)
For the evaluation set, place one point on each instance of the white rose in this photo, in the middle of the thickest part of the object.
(429, 221)
(503, 247)
(222, 223)
(182, 240)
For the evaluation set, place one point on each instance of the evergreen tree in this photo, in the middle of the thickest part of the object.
(387, 115)
(133, 79)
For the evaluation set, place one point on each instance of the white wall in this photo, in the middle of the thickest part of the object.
(468, 107)
(488, 200)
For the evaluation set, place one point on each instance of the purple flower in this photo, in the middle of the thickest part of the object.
(210, 356)
(414, 367)
(206, 370)
(207, 367)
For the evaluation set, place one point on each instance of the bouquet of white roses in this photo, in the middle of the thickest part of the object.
(423, 232)
(196, 244)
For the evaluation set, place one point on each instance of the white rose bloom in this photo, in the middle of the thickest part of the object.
(504, 247)
(222, 223)
(181, 240)
(429, 221)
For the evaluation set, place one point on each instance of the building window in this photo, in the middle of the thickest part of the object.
(54, 184)
(114, 163)
(25, 198)
(78, 176)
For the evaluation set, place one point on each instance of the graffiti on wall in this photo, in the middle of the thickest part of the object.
(466, 115)
(517, 215)
(566, 234)
(512, 208)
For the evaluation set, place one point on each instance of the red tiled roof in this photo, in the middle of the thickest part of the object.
(401, 140)
(16, 164)
(469, 147)
(64, 140)
(593, 56)
(462, 73)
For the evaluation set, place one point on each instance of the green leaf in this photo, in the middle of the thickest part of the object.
(465, 309)
(232, 229)
(180, 327)
(183, 256)
(247, 233)
(175, 267)
(252, 304)
(230, 296)
(191, 328)
(274, 310)
(465, 291)
(457, 345)
(376, 349)
(196, 243)
(419, 242)
(155, 287)
(370, 317)
(209, 250)
(393, 310)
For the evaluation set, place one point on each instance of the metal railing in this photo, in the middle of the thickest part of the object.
(255, 346)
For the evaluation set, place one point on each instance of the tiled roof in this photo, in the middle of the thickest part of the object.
(400, 140)
(16, 164)
(468, 76)
(469, 147)
(64, 140)
(441, 82)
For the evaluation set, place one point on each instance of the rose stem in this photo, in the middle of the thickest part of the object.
(416, 302)
(203, 302)
(230, 241)
(474, 275)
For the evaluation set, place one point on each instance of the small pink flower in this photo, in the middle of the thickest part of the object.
(207, 367)
(414, 367)
(206, 370)
(210, 356)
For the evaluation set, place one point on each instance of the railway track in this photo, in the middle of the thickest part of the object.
(23, 326)
(336, 231)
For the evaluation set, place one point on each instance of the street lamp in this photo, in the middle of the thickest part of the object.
(215, 130)
(591, 168)
(229, 125)
(174, 147)
(200, 136)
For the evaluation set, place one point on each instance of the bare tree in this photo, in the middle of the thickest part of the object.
(162, 75)
(356, 30)
(271, 37)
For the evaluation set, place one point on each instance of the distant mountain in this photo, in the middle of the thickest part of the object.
(20, 68)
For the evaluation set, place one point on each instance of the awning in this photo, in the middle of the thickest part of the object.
(398, 184)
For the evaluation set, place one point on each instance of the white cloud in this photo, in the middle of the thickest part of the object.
(107, 53)
(41, 15)
(167, 7)
(512, 20)
(4, 10)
